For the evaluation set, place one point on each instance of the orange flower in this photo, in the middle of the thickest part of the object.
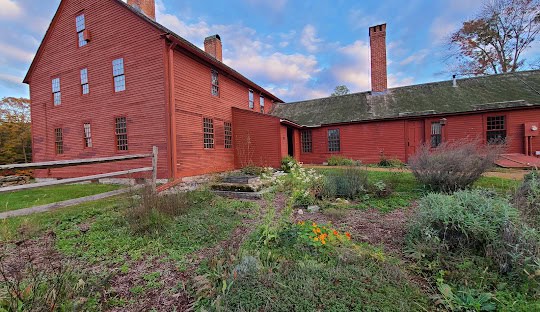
(316, 239)
(318, 230)
(336, 233)
(348, 235)
(323, 242)
(314, 224)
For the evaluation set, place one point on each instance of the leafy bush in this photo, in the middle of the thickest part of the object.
(288, 163)
(527, 199)
(473, 221)
(336, 160)
(349, 183)
(453, 166)
(255, 170)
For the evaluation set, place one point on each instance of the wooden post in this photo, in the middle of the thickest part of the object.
(154, 166)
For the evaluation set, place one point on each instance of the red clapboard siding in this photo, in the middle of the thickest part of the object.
(365, 142)
(257, 139)
(143, 102)
(193, 102)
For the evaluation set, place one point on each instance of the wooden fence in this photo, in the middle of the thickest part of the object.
(78, 162)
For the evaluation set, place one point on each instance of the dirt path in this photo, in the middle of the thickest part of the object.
(512, 174)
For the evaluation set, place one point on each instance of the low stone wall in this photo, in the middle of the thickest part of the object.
(13, 180)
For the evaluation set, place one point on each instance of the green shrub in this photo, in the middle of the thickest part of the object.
(288, 163)
(453, 166)
(527, 199)
(348, 183)
(473, 222)
(254, 170)
(336, 160)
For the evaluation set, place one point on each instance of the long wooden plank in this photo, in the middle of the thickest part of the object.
(73, 180)
(63, 204)
(74, 162)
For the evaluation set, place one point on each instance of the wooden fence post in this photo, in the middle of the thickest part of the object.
(154, 166)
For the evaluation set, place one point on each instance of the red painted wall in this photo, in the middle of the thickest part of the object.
(193, 102)
(143, 102)
(366, 141)
(363, 142)
(256, 139)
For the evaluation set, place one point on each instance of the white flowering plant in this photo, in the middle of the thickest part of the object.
(302, 184)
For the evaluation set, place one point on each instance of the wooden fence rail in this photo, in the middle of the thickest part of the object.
(78, 162)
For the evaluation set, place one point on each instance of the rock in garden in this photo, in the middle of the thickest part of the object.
(300, 211)
(313, 209)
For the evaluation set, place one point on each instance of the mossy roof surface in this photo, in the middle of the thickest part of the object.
(471, 94)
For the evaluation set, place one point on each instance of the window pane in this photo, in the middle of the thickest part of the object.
(307, 145)
(334, 144)
(80, 22)
(87, 135)
(496, 130)
(58, 141)
(251, 104)
(436, 134)
(57, 98)
(119, 83)
(208, 128)
(118, 67)
(56, 85)
(215, 83)
(84, 76)
(121, 134)
(228, 135)
(82, 42)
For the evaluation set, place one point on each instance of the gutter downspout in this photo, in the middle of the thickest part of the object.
(172, 112)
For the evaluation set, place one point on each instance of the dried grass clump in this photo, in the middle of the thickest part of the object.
(453, 165)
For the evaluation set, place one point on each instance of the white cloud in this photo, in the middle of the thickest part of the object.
(353, 70)
(415, 58)
(309, 38)
(11, 79)
(10, 9)
(9, 52)
(399, 80)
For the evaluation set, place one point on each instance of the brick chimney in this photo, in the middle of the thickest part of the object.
(148, 7)
(212, 46)
(379, 75)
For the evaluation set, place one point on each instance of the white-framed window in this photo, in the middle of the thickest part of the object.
(251, 99)
(81, 27)
(87, 135)
(227, 126)
(208, 129)
(57, 95)
(262, 104)
(85, 87)
(119, 75)
(215, 83)
(436, 134)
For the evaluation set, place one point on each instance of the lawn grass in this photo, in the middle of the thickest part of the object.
(407, 189)
(47, 195)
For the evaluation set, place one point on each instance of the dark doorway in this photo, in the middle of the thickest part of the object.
(290, 141)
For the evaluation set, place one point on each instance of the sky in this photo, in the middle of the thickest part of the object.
(296, 49)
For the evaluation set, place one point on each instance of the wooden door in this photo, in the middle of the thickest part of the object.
(414, 136)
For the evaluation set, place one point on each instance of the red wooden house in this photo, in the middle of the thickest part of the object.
(394, 123)
(108, 79)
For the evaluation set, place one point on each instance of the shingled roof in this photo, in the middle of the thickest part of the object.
(471, 94)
